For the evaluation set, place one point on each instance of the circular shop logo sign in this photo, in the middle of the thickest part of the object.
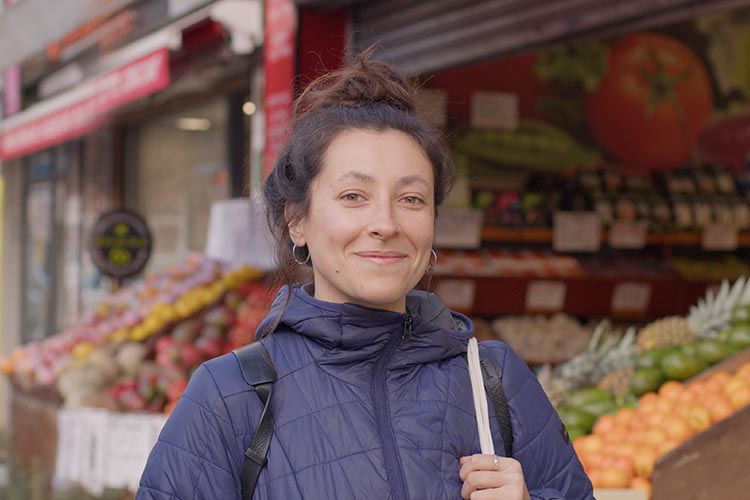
(120, 243)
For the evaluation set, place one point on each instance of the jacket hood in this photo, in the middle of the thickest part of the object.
(351, 333)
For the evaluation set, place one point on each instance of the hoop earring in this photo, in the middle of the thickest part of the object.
(432, 264)
(294, 256)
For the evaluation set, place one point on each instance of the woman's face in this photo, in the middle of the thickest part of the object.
(371, 218)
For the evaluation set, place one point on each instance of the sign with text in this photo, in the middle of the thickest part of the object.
(546, 296)
(719, 236)
(577, 232)
(279, 63)
(633, 298)
(627, 234)
(458, 228)
(494, 110)
(85, 107)
(120, 243)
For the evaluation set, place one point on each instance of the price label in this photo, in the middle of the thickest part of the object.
(577, 232)
(719, 236)
(545, 296)
(631, 298)
(628, 234)
(457, 294)
(495, 110)
(459, 228)
(431, 106)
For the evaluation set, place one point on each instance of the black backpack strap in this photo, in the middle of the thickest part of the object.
(492, 374)
(259, 372)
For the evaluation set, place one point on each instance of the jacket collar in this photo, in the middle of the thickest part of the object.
(352, 333)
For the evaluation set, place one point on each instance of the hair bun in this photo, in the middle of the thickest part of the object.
(366, 81)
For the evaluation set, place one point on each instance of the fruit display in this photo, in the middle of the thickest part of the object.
(540, 339)
(718, 313)
(624, 445)
(531, 263)
(136, 349)
(606, 352)
(666, 332)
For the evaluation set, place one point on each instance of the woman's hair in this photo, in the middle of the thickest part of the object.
(368, 95)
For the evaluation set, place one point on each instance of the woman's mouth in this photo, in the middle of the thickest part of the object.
(382, 257)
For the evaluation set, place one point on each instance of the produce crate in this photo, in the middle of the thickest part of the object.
(713, 463)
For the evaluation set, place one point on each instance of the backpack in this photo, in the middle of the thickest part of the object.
(259, 372)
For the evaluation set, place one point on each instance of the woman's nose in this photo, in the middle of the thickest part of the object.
(383, 222)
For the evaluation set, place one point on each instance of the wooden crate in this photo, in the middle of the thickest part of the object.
(713, 464)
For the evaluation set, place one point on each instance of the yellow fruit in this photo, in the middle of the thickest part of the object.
(118, 335)
(83, 350)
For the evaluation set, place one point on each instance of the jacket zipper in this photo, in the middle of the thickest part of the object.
(393, 466)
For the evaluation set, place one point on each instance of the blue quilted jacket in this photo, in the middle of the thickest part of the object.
(365, 407)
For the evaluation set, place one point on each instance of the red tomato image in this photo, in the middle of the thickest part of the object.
(652, 103)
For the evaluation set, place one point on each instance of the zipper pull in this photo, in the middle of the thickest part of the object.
(407, 327)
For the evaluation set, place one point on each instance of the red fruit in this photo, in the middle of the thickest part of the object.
(241, 335)
(190, 355)
(175, 389)
(164, 343)
(210, 347)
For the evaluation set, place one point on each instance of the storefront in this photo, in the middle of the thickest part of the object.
(164, 132)
(602, 155)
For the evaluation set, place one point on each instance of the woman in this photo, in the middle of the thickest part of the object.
(372, 397)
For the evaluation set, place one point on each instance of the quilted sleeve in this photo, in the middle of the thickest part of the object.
(540, 442)
(191, 459)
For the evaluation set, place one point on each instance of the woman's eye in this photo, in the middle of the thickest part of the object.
(413, 200)
(352, 197)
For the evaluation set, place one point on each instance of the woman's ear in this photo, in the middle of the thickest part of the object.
(294, 224)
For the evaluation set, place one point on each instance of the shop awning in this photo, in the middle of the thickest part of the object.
(422, 36)
(30, 26)
(82, 109)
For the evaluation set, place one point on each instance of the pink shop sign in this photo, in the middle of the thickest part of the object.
(83, 108)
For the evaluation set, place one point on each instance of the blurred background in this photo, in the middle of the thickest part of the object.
(601, 208)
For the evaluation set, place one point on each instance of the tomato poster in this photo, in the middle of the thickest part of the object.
(644, 101)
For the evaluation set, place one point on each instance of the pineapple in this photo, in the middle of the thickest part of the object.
(618, 381)
(714, 313)
(667, 332)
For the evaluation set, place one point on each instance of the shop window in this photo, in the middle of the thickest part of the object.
(63, 197)
(181, 168)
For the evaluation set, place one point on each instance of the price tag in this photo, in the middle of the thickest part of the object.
(546, 296)
(628, 234)
(459, 228)
(631, 297)
(495, 110)
(431, 106)
(577, 232)
(457, 294)
(719, 236)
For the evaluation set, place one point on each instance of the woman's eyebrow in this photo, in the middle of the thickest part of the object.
(353, 174)
(413, 179)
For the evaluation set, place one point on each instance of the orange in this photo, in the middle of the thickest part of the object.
(671, 390)
(656, 420)
(739, 398)
(665, 405)
(588, 444)
(612, 477)
(697, 388)
(685, 397)
(624, 417)
(698, 418)
(667, 446)
(643, 462)
(604, 425)
(625, 464)
(720, 378)
(743, 372)
(678, 429)
(653, 437)
(640, 483)
(617, 435)
(595, 475)
(735, 384)
(719, 409)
